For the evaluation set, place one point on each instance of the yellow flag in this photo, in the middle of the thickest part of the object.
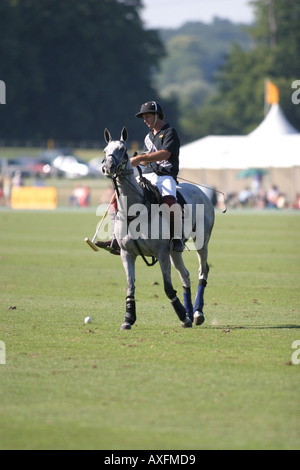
(271, 93)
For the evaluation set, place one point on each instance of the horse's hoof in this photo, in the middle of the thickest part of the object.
(125, 326)
(187, 323)
(199, 318)
(191, 316)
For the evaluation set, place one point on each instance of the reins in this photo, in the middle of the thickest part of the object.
(206, 187)
(122, 172)
(154, 260)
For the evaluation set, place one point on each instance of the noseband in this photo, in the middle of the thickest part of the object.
(120, 168)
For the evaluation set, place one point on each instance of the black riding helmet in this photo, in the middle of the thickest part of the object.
(150, 107)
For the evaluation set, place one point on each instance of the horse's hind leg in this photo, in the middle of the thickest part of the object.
(165, 266)
(177, 261)
(203, 275)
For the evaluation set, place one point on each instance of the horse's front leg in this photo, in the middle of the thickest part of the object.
(128, 260)
(165, 266)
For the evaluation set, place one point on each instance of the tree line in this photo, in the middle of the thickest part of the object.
(73, 67)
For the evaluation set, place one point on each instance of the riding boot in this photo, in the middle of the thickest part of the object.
(112, 246)
(177, 243)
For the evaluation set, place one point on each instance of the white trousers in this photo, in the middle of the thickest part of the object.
(166, 185)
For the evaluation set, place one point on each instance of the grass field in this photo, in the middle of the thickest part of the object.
(229, 384)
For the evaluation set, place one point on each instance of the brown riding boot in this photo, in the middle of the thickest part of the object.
(112, 246)
(176, 243)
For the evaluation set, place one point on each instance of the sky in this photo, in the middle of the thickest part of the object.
(174, 13)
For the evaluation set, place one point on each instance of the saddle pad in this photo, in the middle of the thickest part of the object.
(153, 196)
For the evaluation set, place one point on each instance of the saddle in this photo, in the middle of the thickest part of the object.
(153, 196)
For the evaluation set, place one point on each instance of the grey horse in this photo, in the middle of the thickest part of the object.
(133, 212)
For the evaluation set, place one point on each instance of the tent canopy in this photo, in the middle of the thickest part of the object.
(274, 143)
(275, 123)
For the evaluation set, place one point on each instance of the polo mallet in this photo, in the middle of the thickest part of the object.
(87, 240)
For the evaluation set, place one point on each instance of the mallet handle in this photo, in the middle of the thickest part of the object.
(104, 215)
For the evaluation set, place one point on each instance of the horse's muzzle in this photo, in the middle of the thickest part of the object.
(109, 166)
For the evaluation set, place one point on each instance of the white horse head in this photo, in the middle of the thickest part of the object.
(116, 157)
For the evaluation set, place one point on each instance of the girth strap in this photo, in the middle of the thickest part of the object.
(154, 260)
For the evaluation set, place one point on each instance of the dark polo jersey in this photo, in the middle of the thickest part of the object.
(165, 139)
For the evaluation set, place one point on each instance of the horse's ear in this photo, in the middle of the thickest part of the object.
(107, 135)
(124, 134)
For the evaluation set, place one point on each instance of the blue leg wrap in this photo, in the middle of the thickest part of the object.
(188, 304)
(199, 300)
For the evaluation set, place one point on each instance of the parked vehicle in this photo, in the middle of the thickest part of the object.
(70, 167)
(23, 165)
(56, 163)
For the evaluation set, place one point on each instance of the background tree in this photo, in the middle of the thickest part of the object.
(73, 67)
(194, 52)
(238, 105)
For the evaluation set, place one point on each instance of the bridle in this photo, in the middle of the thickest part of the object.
(120, 164)
(121, 170)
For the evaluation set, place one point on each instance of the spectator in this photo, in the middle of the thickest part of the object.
(281, 201)
(272, 197)
(297, 202)
(17, 180)
(7, 190)
(80, 196)
(245, 197)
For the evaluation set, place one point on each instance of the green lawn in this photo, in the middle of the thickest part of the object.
(229, 384)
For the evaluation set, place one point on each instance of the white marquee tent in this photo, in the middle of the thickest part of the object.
(274, 143)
